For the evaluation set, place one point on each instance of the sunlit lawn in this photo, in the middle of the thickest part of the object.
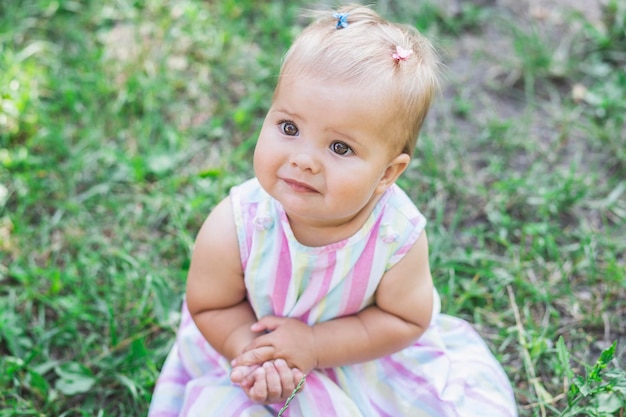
(123, 123)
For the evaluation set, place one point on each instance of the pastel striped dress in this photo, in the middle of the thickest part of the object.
(449, 371)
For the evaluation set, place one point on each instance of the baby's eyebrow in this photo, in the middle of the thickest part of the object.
(343, 133)
(291, 115)
(285, 111)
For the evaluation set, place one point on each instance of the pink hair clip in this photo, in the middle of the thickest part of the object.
(402, 54)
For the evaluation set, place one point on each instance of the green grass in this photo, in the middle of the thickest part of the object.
(122, 123)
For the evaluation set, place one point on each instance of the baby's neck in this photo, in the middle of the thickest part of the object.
(319, 233)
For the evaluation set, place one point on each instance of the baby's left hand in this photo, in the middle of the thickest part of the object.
(289, 339)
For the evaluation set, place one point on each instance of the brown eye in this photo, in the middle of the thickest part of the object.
(289, 129)
(340, 148)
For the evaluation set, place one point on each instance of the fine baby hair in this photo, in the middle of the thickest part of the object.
(354, 44)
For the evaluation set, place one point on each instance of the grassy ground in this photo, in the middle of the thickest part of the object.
(123, 122)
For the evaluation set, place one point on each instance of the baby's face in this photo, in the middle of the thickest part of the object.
(322, 151)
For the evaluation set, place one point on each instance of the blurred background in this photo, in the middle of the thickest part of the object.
(123, 122)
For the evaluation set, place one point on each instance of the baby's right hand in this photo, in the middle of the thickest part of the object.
(268, 384)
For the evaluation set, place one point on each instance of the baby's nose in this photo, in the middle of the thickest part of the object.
(305, 160)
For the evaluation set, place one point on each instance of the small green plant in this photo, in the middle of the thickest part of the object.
(601, 392)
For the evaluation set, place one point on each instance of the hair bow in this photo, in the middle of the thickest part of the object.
(402, 54)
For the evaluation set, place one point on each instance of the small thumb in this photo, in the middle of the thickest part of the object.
(267, 323)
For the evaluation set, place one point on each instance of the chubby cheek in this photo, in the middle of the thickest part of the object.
(265, 161)
(351, 190)
(258, 162)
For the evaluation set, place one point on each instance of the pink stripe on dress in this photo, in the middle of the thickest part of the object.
(194, 393)
(360, 275)
(424, 384)
(282, 278)
(320, 396)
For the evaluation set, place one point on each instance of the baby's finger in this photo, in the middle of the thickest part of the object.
(258, 392)
(267, 323)
(297, 375)
(287, 377)
(239, 373)
(273, 381)
(255, 356)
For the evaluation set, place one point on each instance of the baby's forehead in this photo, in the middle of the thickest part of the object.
(377, 87)
(296, 82)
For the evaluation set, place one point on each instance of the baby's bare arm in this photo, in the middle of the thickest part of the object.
(216, 298)
(216, 295)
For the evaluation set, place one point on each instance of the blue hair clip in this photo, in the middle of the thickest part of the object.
(342, 20)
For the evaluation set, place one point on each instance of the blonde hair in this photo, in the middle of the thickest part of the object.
(363, 53)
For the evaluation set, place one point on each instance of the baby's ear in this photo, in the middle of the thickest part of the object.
(395, 168)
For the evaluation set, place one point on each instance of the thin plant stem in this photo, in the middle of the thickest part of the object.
(292, 396)
(530, 369)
